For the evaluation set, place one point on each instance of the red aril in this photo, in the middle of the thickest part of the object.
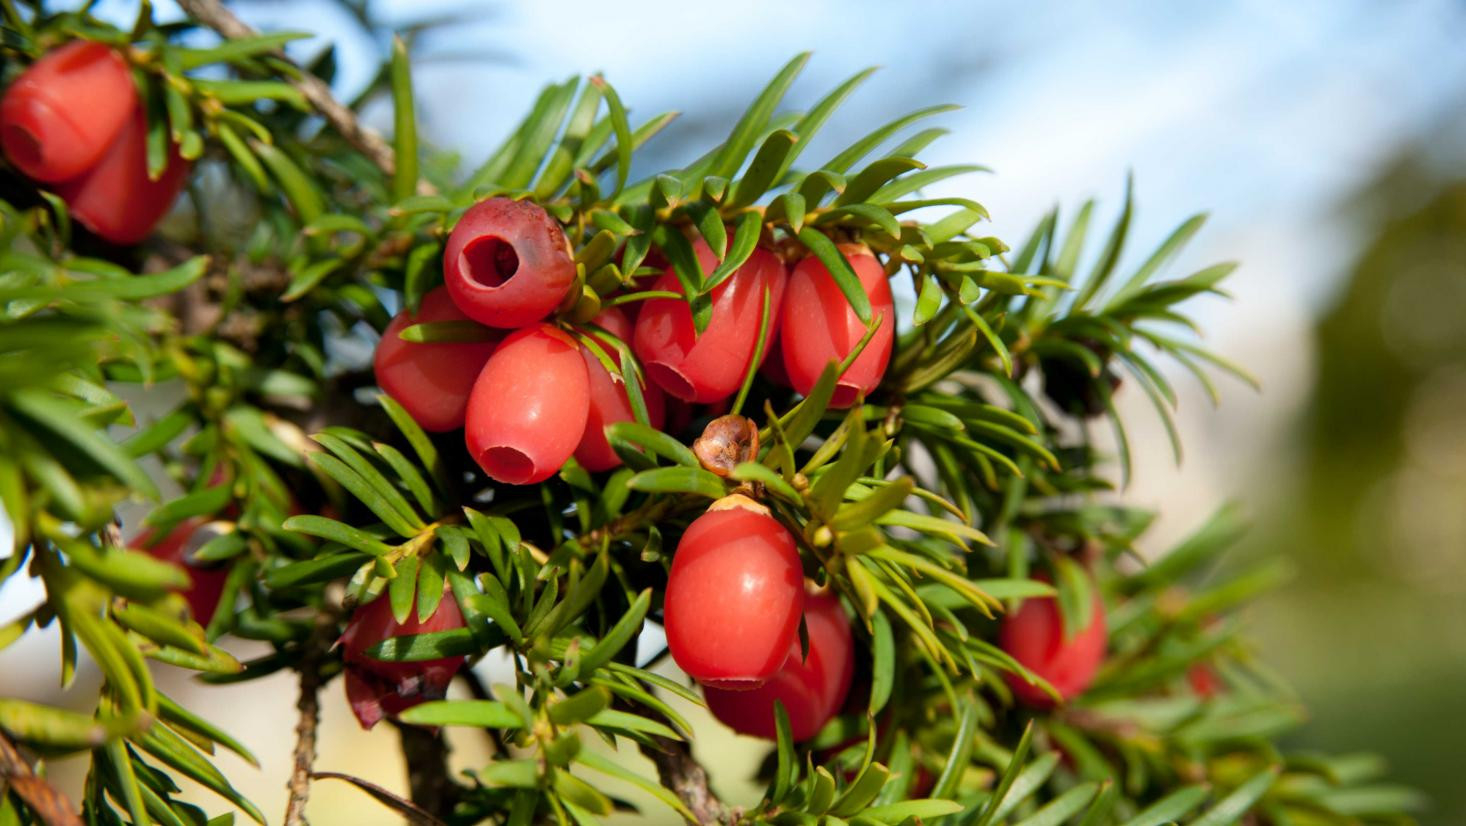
(430, 381)
(378, 688)
(734, 595)
(820, 326)
(811, 689)
(206, 583)
(61, 114)
(507, 263)
(710, 367)
(1034, 636)
(116, 199)
(608, 399)
(528, 408)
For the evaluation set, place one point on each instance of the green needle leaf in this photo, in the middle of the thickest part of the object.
(730, 159)
(845, 278)
(404, 123)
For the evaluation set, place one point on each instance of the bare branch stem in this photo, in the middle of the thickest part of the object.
(680, 772)
(50, 805)
(309, 706)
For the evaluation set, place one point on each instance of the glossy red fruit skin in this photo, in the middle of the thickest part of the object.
(206, 584)
(812, 690)
(430, 381)
(734, 596)
(507, 263)
(1034, 636)
(529, 406)
(115, 199)
(376, 688)
(60, 115)
(820, 327)
(710, 367)
(608, 400)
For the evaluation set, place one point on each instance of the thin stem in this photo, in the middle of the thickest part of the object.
(680, 772)
(309, 706)
(50, 805)
(213, 14)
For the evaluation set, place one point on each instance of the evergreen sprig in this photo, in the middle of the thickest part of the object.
(928, 506)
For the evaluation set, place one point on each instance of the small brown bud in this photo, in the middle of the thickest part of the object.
(727, 442)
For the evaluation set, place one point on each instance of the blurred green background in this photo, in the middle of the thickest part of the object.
(1326, 137)
(1368, 495)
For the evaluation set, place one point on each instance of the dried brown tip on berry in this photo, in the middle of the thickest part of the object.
(725, 443)
(738, 500)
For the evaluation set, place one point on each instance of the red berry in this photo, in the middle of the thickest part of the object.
(1034, 636)
(773, 367)
(507, 263)
(1204, 681)
(432, 381)
(206, 584)
(812, 690)
(529, 406)
(734, 595)
(377, 688)
(61, 114)
(608, 400)
(820, 326)
(116, 199)
(710, 367)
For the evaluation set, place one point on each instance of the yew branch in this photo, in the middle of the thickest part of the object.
(679, 771)
(50, 805)
(309, 706)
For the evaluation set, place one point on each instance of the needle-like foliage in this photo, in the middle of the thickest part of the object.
(929, 507)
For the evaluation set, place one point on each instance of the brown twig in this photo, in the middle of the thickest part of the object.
(51, 806)
(309, 706)
(680, 772)
(415, 816)
(212, 13)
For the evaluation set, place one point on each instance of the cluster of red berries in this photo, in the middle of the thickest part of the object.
(535, 397)
(735, 597)
(73, 121)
